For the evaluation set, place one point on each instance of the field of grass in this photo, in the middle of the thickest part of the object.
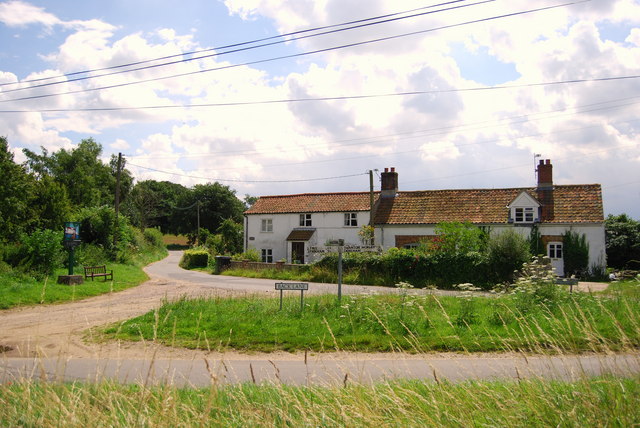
(19, 289)
(412, 323)
(175, 242)
(529, 403)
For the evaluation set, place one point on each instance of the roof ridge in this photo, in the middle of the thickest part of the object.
(317, 194)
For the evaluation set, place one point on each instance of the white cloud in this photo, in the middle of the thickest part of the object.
(436, 140)
(16, 13)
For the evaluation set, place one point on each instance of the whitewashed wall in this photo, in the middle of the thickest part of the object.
(328, 226)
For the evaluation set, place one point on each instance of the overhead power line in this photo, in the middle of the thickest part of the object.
(248, 181)
(332, 98)
(239, 47)
(298, 55)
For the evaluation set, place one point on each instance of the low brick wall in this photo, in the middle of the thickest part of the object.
(245, 264)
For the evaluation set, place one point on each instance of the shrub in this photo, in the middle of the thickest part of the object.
(576, 254)
(420, 269)
(458, 238)
(194, 258)
(91, 255)
(214, 244)
(154, 238)
(506, 253)
(41, 251)
(251, 254)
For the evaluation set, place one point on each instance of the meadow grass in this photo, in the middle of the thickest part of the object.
(21, 289)
(382, 323)
(602, 401)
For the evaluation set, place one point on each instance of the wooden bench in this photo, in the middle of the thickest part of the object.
(97, 271)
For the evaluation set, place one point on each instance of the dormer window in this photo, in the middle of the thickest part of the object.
(523, 215)
(523, 209)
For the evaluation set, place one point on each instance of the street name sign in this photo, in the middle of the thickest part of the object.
(295, 286)
(292, 286)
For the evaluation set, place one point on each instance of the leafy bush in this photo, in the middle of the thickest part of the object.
(420, 269)
(41, 251)
(507, 252)
(194, 258)
(214, 244)
(576, 254)
(91, 255)
(251, 254)
(153, 237)
(623, 241)
(458, 238)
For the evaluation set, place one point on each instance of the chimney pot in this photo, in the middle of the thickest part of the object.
(541, 162)
(548, 161)
(389, 187)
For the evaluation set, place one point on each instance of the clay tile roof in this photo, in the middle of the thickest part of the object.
(311, 203)
(572, 204)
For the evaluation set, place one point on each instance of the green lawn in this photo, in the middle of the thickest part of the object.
(17, 289)
(569, 323)
(528, 403)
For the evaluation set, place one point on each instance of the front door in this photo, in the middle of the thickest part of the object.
(297, 252)
(554, 251)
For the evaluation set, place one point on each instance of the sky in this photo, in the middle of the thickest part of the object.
(277, 97)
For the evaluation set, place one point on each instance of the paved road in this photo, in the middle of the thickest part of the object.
(37, 351)
(320, 371)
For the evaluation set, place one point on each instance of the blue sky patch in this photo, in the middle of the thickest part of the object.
(482, 67)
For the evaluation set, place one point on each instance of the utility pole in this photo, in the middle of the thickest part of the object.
(198, 240)
(115, 230)
(371, 213)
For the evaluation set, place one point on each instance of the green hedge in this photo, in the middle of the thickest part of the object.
(419, 269)
(195, 258)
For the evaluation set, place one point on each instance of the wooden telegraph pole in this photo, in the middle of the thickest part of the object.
(115, 231)
(371, 213)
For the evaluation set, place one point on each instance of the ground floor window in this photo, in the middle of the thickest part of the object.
(555, 250)
(267, 255)
(351, 219)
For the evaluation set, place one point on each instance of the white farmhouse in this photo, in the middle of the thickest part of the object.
(287, 226)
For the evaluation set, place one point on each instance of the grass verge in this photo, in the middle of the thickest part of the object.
(411, 323)
(600, 401)
(19, 289)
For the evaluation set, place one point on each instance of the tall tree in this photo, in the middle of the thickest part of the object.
(152, 203)
(16, 192)
(87, 180)
(216, 203)
(622, 240)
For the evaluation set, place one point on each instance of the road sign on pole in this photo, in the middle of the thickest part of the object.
(293, 286)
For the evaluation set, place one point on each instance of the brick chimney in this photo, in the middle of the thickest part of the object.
(545, 190)
(389, 186)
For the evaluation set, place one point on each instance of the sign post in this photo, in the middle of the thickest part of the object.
(293, 286)
(70, 241)
(338, 246)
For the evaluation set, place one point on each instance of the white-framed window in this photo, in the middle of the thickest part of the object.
(351, 219)
(555, 250)
(267, 255)
(305, 220)
(523, 215)
(267, 225)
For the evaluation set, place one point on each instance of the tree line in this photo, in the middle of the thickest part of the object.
(75, 184)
